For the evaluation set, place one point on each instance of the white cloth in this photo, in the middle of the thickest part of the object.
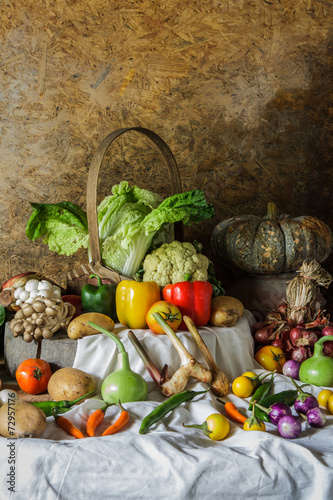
(170, 461)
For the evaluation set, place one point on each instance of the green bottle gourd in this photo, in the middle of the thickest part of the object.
(122, 385)
(318, 370)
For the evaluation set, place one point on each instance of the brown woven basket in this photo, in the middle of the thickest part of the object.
(77, 277)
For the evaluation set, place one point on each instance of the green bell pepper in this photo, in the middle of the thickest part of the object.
(99, 298)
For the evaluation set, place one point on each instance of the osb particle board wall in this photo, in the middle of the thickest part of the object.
(239, 90)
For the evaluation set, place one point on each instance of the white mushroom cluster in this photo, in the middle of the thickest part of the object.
(41, 318)
(35, 288)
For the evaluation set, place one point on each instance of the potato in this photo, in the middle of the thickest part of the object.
(20, 419)
(78, 328)
(225, 311)
(70, 383)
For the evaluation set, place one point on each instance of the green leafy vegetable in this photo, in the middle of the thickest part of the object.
(63, 225)
(131, 221)
(126, 248)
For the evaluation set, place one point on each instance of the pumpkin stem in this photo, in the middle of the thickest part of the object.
(271, 211)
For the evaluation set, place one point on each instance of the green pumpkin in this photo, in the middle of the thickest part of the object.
(270, 245)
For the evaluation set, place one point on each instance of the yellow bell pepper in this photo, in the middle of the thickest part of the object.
(133, 301)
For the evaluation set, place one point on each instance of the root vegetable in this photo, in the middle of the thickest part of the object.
(79, 328)
(327, 330)
(264, 334)
(328, 348)
(19, 419)
(219, 382)
(225, 311)
(188, 362)
(70, 383)
(301, 337)
(300, 354)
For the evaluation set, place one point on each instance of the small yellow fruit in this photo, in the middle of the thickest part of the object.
(324, 396)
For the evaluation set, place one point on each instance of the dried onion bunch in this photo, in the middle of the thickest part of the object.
(303, 289)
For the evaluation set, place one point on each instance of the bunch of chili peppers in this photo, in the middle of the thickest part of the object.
(94, 420)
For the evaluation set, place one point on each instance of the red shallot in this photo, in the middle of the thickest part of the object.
(300, 354)
(327, 330)
(328, 348)
(301, 337)
(265, 334)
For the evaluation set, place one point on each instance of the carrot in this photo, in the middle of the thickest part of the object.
(67, 425)
(95, 419)
(232, 412)
(119, 423)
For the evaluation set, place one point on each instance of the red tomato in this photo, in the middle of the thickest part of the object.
(169, 312)
(33, 375)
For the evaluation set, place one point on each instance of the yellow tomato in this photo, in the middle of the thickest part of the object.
(242, 387)
(330, 404)
(249, 374)
(254, 378)
(324, 396)
(271, 358)
(254, 426)
(169, 312)
(218, 426)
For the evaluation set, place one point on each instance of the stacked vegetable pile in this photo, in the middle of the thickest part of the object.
(277, 408)
(175, 288)
(296, 324)
(39, 308)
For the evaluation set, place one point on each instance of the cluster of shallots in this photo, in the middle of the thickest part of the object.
(296, 324)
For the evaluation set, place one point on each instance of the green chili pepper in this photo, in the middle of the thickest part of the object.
(262, 391)
(164, 408)
(288, 397)
(100, 298)
(59, 406)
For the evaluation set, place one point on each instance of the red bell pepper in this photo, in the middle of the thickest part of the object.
(193, 299)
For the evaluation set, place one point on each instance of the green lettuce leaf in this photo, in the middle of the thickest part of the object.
(63, 226)
(126, 248)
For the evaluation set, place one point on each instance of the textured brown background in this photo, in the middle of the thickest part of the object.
(240, 91)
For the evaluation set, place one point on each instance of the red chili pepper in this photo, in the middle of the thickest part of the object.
(193, 299)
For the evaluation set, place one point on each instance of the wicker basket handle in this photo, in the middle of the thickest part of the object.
(92, 183)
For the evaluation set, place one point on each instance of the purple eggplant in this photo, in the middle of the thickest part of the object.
(289, 427)
(316, 417)
(277, 411)
(291, 369)
(304, 401)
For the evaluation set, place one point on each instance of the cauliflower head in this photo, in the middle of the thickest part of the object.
(171, 261)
